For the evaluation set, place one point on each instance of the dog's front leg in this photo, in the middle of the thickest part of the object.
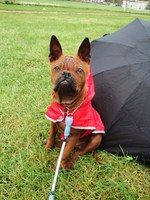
(52, 134)
(93, 143)
(71, 143)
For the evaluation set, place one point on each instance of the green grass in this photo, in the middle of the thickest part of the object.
(26, 169)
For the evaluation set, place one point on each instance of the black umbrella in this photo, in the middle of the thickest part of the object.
(121, 69)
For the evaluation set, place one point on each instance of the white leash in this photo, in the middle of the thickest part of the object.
(68, 121)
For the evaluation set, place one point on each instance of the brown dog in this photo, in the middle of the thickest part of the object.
(73, 91)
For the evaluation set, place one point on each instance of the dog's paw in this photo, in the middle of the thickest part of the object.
(64, 166)
(70, 163)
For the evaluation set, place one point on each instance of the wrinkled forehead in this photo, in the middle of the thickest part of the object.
(69, 62)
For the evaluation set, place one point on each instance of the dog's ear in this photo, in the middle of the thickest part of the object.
(84, 50)
(55, 49)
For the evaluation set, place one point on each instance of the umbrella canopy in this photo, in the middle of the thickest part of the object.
(121, 69)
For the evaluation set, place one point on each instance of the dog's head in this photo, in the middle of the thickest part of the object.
(69, 73)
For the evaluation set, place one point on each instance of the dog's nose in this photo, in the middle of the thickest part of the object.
(66, 74)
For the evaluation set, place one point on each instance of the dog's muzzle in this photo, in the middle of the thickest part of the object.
(65, 84)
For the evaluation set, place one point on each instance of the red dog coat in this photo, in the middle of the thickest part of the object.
(85, 117)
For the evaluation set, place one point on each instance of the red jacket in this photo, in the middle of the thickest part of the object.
(85, 117)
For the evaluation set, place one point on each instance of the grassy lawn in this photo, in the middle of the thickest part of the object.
(26, 169)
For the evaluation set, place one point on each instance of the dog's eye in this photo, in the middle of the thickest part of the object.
(56, 68)
(79, 70)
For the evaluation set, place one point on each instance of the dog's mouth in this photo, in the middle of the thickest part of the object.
(66, 89)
